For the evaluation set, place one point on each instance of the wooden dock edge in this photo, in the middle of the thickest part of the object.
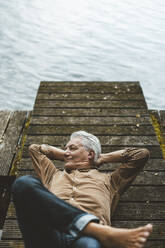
(18, 157)
(158, 122)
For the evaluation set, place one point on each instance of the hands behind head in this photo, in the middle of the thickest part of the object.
(99, 161)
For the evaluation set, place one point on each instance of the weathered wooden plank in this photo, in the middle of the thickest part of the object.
(88, 96)
(152, 165)
(144, 193)
(19, 244)
(91, 104)
(12, 244)
(90, 83)
(41, 120)
(162, 116)
(144, 178)
(11, 138)
(11, 229)
(105, 140)
(5, 189)
(89, 112)
(146, 130)
(95, 87)
(91, 90)
(4, 120)
(125, 211)
(155, 151)
(150, 178)
(145, 211)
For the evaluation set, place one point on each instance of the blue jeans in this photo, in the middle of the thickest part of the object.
(47, 221)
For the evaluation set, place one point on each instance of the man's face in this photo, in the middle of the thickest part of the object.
(75, 154)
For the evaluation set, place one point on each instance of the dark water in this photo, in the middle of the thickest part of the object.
(80, 40)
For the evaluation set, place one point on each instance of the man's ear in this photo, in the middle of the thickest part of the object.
(91, 155)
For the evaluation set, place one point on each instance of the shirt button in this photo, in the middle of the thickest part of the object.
(72, 198)
(75, 178)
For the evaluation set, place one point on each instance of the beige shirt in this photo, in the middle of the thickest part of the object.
(89, 189)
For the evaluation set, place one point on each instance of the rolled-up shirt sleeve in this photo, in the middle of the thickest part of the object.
(42, 164)
(133, 161)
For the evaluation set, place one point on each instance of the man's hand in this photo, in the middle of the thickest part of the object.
(99, 161)
(52, 152)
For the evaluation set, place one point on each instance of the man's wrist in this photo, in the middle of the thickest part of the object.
(100, 160)
(43, 148)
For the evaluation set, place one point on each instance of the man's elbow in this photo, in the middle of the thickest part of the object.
(145, 154)
(33, 148)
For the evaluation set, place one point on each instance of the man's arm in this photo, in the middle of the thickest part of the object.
(112, 157)
(132, 162)
(41, 156)
(52, 152)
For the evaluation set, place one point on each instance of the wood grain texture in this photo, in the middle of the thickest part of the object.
(8, 147)
(91, 104)
(104, 140)
(4, 120)
(87, 112)
(106, 121)
(94, 87)
(105, 130)
(89, 96)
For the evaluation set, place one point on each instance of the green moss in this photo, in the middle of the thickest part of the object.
(160, 137)
(14, 167)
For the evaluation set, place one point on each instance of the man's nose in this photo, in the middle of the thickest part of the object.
(67, 152)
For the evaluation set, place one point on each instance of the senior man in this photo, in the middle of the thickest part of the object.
(73, 207)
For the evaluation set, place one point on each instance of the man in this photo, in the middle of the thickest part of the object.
(73, 207)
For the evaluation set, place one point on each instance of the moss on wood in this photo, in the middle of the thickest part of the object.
(158, 131)
(18, 157)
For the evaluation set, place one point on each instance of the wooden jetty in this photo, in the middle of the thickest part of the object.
(117, 113)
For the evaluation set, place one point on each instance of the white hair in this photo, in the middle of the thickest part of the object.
(89, 141)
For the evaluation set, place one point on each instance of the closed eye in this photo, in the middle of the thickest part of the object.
(71, 148)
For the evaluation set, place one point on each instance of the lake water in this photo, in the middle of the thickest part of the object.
(80, 40)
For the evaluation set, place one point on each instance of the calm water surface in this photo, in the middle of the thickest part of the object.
(80, 40)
